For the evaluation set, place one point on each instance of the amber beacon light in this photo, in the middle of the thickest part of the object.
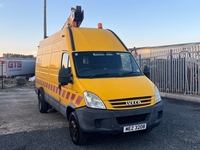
(100, 26)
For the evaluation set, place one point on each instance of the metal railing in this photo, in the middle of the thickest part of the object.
(174, 71)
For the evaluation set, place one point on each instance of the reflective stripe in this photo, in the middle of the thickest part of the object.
(79, 100)
(72, 97)
(65, 94)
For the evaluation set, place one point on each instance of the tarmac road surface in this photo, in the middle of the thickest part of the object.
(22, 127)
(19, 112)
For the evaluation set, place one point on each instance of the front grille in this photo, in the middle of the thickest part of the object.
(131, 119)
(130, 103)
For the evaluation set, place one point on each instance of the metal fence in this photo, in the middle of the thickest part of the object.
(174, 71)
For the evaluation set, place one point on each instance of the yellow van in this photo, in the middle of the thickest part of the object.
(90, 77)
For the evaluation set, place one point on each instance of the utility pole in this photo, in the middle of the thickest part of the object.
(45, 26)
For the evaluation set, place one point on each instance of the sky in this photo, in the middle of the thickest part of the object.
(138, 23)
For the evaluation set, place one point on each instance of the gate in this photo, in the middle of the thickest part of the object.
(174, 71)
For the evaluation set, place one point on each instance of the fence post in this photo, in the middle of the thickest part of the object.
(2, 72)
(171, 67)
(140, 60)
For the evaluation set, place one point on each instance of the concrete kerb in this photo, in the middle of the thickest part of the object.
(192, 98)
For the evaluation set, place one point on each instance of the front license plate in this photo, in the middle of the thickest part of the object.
(135, 127)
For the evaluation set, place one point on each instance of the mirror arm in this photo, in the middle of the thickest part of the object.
(59, 86)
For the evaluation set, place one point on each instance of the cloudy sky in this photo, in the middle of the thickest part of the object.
(137, 22)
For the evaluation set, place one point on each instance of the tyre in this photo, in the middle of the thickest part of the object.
(42, 104)
(77, 135)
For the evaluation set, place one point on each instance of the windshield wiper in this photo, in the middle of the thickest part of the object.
(126, 73)
(102, 74)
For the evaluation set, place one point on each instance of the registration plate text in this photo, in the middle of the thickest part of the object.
(135, 127)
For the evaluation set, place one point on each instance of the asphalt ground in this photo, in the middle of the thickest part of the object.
(19, 112)
(185, 97)
(22, 127)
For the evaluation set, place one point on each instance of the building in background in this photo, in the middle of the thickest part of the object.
(151, 49)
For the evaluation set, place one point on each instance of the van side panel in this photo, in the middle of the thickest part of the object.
(44, 69)
(49, 59)
(48, 64)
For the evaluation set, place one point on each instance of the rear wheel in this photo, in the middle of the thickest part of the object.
(42, 104)
(77, 135)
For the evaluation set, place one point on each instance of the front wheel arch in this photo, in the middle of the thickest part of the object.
(71, 107)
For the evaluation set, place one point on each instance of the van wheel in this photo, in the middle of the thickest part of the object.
(42, 104)
(77, 135)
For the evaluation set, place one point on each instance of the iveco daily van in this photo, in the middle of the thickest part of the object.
(90, 77)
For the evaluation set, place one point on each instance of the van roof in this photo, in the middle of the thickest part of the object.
(86, 39)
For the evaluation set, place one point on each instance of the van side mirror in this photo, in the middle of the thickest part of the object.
(64, 76)
(146, 71)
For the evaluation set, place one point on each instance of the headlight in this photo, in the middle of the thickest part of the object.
(157, 95)
(93, 100)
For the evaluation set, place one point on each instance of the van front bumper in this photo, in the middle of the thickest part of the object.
(112, 122)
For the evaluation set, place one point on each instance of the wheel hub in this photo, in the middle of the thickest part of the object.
(73, 129)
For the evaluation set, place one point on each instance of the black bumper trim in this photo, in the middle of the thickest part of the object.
(105, 122)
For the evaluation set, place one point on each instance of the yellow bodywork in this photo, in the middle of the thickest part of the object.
(96, 40)
(48, 63)
(121, 89)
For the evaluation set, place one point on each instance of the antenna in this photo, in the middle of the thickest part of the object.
(45, 20)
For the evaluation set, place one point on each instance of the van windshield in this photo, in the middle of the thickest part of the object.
(105, 64)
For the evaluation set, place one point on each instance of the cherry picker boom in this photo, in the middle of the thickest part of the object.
(76, 17)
